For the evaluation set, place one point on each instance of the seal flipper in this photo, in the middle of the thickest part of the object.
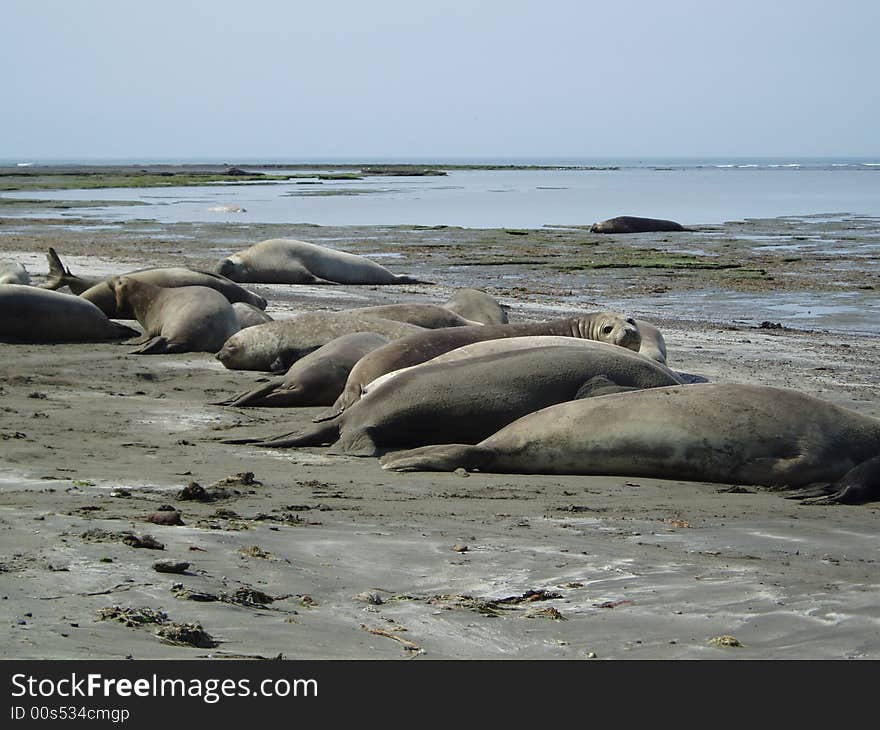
(159, 346)
(446, 457)
(319, 435)
(250, 397)
(859, 485)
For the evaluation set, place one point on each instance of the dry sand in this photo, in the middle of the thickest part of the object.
(95, 439)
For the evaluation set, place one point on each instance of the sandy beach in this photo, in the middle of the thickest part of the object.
(310, 555)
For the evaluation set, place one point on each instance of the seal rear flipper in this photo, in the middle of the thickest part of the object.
(250, 397)
(58, 274)
(447, 457)
(859, 485)
(159, 346)
(319, 435)
(404, 279)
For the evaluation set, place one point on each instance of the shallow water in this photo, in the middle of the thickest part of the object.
(694, 194)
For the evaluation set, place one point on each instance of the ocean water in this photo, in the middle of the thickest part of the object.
(693, 192)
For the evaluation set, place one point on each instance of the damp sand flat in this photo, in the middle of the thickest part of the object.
(345, 556)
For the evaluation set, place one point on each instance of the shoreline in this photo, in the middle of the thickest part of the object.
(95, 439)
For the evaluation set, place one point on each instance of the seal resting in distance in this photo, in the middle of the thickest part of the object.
(100, 293)
(288, 261)
(721, 433)
(634, 224)
(178, 319)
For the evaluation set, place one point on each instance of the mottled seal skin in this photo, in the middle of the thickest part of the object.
(288, 261)
(601, 326)
(634, 224)
(275, 346)
(176, 319)
(31, 314)
(316, 379)
(478, 306)
(468, 400)
(12, 272)
(725, 433)
(101, 293)
(249, 316)
(429, 316)
(492, 347)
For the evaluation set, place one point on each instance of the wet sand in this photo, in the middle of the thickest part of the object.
(322, 556)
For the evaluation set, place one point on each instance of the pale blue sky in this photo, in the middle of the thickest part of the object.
(325, 79)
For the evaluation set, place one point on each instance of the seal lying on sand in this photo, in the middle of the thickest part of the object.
(316, 379)
(429, 316)
(478, 306)
(727, 433)
(418, 348)
(275, 346)
(100, 292)
(288, 261)
(633, 224)
(12, 272)
(466, 401)
(493, 347)
(177, 319)
(31, 314)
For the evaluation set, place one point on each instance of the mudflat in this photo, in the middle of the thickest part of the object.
(313, 555)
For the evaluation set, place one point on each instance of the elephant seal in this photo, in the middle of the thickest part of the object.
(101, 293)
(418, 348)
(466, 401)
(429, 316)
(31, 314)
(288, 261)
(12, 272)
(275, 346)
(176, 319)
(726, 433)
(249, 316)
(492, 347)
(478, 306)
(316, 379)
(633, 224)
(653, 345)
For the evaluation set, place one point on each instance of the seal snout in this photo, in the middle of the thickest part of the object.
(628, 335)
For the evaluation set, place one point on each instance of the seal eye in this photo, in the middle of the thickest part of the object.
(607, 329)
(631, 321)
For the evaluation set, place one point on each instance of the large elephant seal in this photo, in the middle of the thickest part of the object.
(633, 224)
(415, 349)
(478, 306)
(31, 314)
(275, 346)
(429, 316)
(288, 261)
(727, 433)
(493, 347)
(177, 319)
(12, 272)
(101, 292)
(316, 379)
(468, 400)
